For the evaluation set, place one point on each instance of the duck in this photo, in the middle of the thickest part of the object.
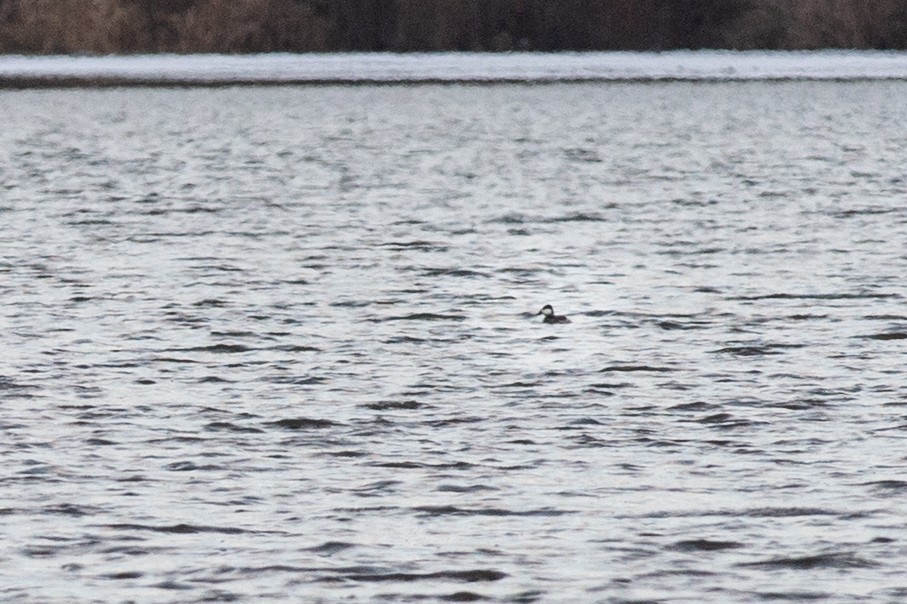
(550, 317)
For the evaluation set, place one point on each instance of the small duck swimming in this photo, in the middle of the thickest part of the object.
(550, 317)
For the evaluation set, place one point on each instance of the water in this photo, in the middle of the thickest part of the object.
(269, 344)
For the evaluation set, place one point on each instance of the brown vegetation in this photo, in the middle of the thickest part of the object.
(240, 26)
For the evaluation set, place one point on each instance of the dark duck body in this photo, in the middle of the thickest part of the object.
(550, 317)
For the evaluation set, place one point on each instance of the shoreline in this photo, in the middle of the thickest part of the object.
(63, 83)
(281, 69)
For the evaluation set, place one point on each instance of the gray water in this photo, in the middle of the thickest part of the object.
(280, 344)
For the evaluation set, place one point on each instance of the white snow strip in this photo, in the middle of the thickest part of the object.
(530, 67)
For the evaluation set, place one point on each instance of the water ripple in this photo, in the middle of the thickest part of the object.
(282, 344)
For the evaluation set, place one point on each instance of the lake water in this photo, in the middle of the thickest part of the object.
(264, 344)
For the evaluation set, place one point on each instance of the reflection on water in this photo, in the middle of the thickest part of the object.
(281, 343)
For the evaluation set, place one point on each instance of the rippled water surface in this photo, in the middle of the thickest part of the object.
(270, 344)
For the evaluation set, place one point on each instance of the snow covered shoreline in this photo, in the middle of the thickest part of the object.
(35, 71)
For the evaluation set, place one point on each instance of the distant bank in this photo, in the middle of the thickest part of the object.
(256, 26)
(376, 68)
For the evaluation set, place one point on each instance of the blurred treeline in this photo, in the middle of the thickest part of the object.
(242, 26)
